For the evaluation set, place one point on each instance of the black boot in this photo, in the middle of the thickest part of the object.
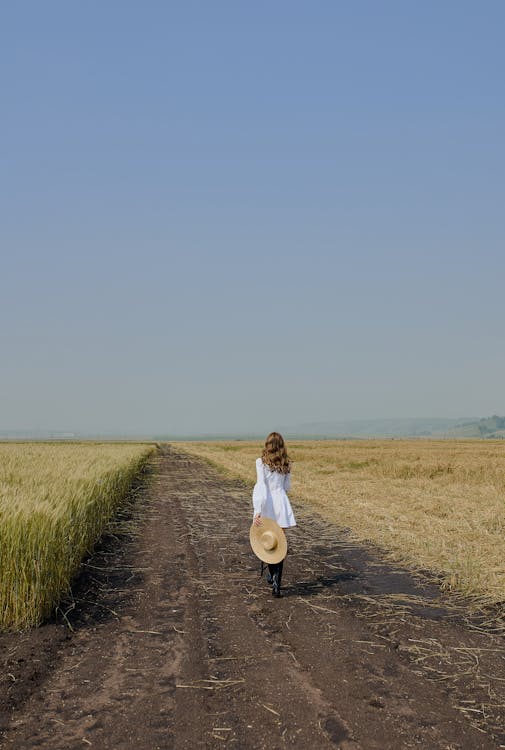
(276, 579)
(270, 574)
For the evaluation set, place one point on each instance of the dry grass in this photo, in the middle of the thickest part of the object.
(55, 500)
(437, 505)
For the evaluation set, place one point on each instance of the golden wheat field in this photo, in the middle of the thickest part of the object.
(435, 505)
(55, 500)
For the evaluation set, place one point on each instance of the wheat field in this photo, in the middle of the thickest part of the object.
(55, 500)
(435, 505)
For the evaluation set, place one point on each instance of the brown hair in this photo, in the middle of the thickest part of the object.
(275, 455)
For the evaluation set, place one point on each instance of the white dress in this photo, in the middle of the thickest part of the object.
(269, 495)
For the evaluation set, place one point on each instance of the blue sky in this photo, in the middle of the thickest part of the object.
(230, 216)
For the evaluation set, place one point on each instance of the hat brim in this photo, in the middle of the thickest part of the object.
(269, 556)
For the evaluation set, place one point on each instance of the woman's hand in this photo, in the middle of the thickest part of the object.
(257, 519)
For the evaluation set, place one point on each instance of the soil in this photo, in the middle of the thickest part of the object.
(172, 640)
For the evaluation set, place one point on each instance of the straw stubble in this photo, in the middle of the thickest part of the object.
(435, 505)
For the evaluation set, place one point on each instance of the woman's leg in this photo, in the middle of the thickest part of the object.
(279, 571)
(277, 578)
(271, 570)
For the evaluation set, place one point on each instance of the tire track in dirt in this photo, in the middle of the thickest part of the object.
(184, 646)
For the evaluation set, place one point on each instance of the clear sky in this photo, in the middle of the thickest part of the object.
(228, 216)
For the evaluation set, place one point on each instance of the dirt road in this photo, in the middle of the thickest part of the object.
(177, 642)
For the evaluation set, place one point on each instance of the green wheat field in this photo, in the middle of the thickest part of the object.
(55, 501)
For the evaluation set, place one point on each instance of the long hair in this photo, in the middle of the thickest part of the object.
(275, 455)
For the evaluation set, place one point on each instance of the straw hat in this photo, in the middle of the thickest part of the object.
(268, 541)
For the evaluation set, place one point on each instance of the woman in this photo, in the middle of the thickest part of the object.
(273, 479)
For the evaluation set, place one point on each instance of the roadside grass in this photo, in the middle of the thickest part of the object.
(55, 500)
(434, 505)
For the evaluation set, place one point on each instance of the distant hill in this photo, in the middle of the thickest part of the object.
(490, 427)
(436, 427)
(465, 427)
